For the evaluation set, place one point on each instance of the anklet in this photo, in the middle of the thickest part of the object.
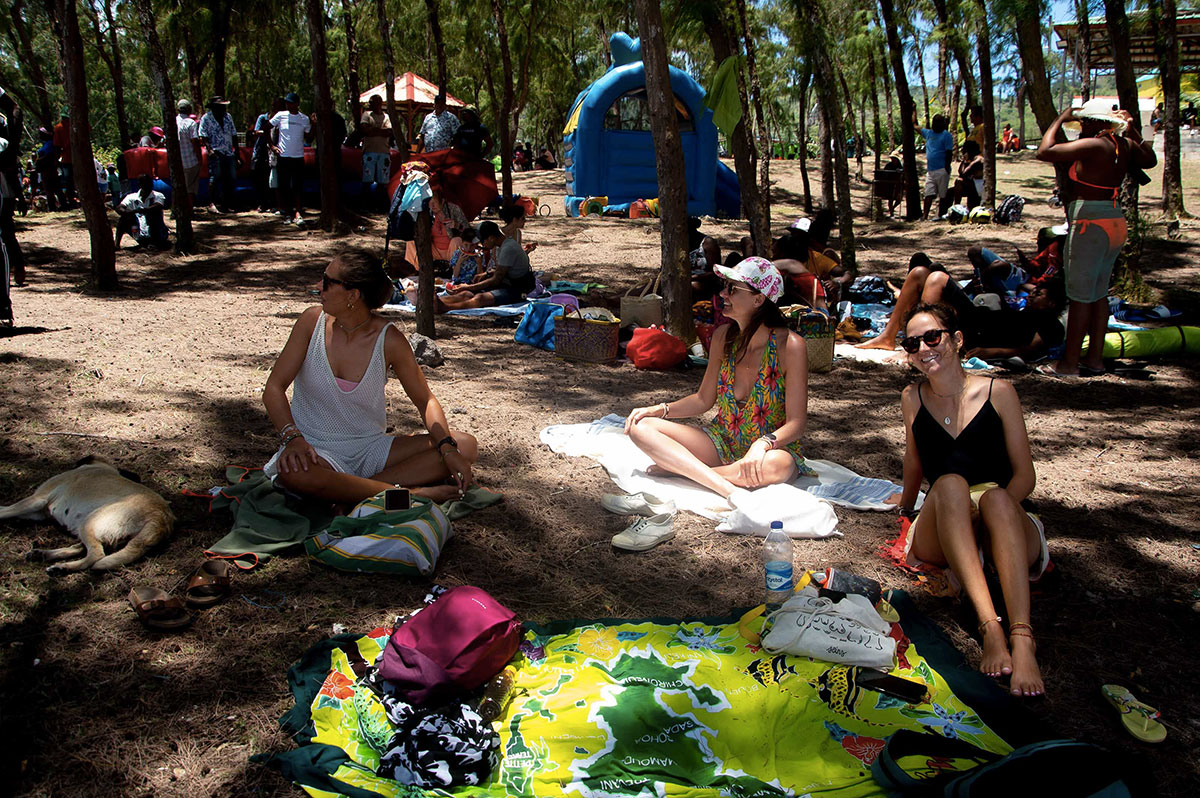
(1020, 629)
(997, 619)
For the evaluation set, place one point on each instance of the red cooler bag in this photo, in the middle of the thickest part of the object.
(457, 643)
(655, 348)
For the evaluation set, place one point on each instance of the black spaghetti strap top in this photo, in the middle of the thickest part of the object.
(978, 454)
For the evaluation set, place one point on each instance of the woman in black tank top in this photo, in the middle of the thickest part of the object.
(966, 435)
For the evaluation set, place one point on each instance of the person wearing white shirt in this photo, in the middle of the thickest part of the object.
(189, 151)
(439, 127)
(290, 129)
(143, 210)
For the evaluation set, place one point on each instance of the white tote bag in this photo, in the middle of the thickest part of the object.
(848, 632)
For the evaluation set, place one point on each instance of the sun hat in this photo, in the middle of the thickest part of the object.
(291, 97)
(158, 131)
(1101, 110)
(803, 223)
(216, 100)
(758, 273)
(183, 105)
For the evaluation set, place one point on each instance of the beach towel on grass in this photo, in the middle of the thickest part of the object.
(515, 309)
(633, 708)
(605, 441)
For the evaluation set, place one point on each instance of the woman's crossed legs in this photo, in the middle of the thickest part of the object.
(412, 462)
(687, 451)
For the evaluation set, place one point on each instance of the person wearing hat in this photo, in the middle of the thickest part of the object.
(153, 138)
(189, 151)
(290, 129)
(62, 143)
(757, 377)
(439, 126)
(1109, 143)
(218, 134)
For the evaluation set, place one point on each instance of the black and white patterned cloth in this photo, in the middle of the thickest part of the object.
(445, 747)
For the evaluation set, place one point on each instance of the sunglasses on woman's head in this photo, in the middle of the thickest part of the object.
(931, 338)
(327, 281)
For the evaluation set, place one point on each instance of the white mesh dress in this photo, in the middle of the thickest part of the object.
(347, 428)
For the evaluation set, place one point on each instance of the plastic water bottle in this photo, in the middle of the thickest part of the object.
(777, 564)
(496, 695)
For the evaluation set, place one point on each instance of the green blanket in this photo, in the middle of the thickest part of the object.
(268, 521)
(641, 708)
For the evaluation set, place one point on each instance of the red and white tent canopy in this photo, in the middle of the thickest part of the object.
(412, 88)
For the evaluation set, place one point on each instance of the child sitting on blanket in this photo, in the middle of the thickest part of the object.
(759, 385)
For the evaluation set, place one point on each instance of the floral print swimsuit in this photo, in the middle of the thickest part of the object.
(740, 424)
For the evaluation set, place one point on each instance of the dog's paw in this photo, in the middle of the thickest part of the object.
(59, 570)
(35, 555)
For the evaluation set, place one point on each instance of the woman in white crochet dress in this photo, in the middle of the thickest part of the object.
(334, 443)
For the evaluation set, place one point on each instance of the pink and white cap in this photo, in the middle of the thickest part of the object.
(758, 273)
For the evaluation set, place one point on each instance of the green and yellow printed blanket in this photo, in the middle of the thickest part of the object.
(632, 708)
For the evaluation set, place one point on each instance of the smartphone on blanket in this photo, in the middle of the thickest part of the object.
(396, 499)
(910, 690)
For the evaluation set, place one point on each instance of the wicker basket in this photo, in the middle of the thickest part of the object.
(589, 340)
(818, 331)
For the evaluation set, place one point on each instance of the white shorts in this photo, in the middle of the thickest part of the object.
(937, 183)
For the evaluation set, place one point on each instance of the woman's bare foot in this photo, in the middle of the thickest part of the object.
(887, 342)
(656, 470)
(1026, 678)
(997, 661)
(438, 493)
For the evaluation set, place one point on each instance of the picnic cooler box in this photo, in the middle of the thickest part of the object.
(590, 340)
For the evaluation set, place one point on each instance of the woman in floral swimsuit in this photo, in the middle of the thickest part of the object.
(759, 385)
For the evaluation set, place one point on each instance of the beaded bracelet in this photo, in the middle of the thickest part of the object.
(292, 437)
(286, 428)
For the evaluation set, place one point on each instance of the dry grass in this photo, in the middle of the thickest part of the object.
(164, 377)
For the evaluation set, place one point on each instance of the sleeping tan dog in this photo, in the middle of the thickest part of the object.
(101, 507)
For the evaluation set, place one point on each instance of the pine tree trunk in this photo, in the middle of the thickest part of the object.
(65, 22)
(828, 199)
(805, 80)
(353, 89)
(504, 122)
(740, 146)
(402, 133)
(425, 287)
(435, 30)
(672, 192)
(1021, 110)
(912, 191)
(760, 232)
(984, 42)
(329, 154)
(221, 12)
(161, 74)
(1083, 54)
(118, 75)
(873, 73)
(958, 46)
(1166, 39)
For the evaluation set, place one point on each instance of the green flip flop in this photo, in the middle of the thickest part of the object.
(1141, 720)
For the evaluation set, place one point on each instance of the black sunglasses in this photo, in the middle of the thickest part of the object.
(327, 281)
(931, 338)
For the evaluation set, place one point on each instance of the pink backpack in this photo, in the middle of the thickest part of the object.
(457, 643)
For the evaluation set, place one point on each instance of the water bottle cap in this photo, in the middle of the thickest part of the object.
(777, 525)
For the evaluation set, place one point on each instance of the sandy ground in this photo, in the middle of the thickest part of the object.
(164, 377)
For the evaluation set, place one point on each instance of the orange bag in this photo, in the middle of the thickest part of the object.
(655, 348)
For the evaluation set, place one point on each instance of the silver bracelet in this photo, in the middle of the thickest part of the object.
(292, 437)
(666, 409)
(286, 428)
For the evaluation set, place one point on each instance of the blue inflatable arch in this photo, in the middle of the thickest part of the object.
(609, 151)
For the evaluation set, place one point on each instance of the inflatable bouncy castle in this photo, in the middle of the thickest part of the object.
(609, 151)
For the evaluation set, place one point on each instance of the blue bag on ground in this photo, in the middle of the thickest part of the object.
(537, 325)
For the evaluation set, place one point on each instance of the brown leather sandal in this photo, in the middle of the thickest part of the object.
(159, 610)
(210, 584)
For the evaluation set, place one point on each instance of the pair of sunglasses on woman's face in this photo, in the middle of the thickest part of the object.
(931, 338)
(327, 281)
(730, 287)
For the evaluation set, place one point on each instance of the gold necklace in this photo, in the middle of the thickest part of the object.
(946, 420)
(349, 330)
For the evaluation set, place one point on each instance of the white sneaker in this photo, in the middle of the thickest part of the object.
(636, 504)
(646, 533)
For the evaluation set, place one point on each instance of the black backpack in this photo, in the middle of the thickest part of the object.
(1010, 210)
